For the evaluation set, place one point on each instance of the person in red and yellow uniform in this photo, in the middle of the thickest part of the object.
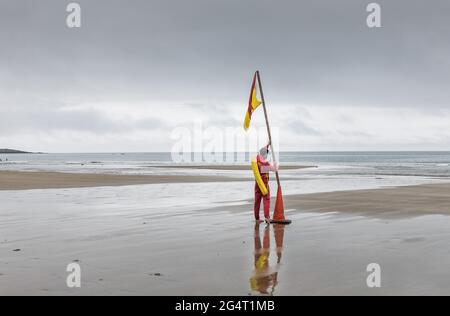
(264, 167)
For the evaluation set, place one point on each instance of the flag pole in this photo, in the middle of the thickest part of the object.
(267, 124)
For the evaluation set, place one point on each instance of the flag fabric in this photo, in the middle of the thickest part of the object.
(253, 103)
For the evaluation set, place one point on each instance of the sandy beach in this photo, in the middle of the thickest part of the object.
(227, 167)
(395, 201)
(158, 236)
(407, 201)
(17, 180)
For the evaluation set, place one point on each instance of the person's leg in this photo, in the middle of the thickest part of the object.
(258, 197)
(266, 201)
(266, 238)
(257, 239)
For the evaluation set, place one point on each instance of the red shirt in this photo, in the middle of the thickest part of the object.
(264, 167)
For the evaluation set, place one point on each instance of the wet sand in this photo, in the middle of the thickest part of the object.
(126, 244)
(18, 180)
(169, 239)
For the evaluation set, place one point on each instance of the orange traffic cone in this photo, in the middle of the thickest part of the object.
(278, 213)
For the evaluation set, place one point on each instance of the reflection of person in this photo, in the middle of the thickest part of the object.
(264, 168)
(265, 277)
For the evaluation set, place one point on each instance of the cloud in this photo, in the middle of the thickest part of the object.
(317, 51)
(298, 126)
(152, 65)
(49, 120)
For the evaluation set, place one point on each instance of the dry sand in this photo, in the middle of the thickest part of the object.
(16, 180)
(229, 167)
(404, 201)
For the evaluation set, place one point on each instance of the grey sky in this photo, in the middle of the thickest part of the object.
(137, 69)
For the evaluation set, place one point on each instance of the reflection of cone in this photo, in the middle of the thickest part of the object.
(279, 235)
(278, 230)
(278, 214)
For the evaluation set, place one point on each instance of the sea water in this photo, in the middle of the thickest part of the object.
(423, 164)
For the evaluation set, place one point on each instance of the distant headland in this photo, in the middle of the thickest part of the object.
(12, 151)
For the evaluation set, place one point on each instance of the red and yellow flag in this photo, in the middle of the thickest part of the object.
(253, 103)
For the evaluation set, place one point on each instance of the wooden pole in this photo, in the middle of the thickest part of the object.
(267, 124)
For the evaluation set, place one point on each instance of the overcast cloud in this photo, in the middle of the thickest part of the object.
(136, 70)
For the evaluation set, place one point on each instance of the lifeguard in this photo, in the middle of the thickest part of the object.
(261, 168)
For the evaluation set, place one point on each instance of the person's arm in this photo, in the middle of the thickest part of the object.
(266, 166)
(273, 167)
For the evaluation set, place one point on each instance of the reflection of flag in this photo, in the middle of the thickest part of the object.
(253, 103)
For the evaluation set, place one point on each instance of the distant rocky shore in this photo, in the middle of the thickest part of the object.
(12, 151)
